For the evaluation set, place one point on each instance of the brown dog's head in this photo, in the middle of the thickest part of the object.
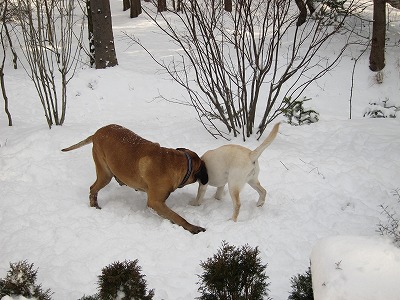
(199, 167)
(202, 174)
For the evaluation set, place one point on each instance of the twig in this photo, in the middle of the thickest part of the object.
(284, 165)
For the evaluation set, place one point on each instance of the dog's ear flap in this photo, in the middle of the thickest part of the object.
(202, 174)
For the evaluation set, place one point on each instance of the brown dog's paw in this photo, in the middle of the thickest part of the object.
(197, 229)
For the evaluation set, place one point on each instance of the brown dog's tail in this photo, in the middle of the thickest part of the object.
(85, 142)
(257, 152)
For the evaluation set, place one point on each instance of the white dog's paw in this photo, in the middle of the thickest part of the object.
(219, 194)
(260, 203)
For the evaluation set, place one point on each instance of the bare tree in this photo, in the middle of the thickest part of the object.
(302, 6)
(101, 38)
(3, 35)
(51, 48)
(161, 5)
(136, 8)
(377, 54)
(237, 67)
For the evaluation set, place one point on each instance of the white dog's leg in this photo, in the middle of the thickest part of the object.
(255, 184)
(219, 193)
(200, 195)
(234, 192)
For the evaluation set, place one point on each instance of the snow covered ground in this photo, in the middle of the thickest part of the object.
(324, 181)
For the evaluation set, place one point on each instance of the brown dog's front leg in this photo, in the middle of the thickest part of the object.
(164, 211)
(93, 201)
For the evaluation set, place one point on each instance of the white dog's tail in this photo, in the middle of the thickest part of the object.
(257, 152)
(85, 142)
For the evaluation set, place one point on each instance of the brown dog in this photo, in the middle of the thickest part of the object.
(145, 166)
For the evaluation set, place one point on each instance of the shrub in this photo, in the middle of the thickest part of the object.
(94, 297)
(297, 114)
(381, 109)
(123, 280)
(391, 227)
(21, 280)
(235, 274)
(302, 287)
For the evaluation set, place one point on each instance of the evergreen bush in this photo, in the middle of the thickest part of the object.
(302, 287)
(123, 280)
(381, 109)
(21, 281)
(297, 114)
(93, 297)
(233, 274)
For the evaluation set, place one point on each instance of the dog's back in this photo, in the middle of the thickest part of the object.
(225, 161)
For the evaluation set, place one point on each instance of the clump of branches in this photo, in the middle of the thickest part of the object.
(21, 280)
(234, 273)
(297, 114)
(238, 66)
(302, 287)
(122, 280)
(391, 227)
(50, 45)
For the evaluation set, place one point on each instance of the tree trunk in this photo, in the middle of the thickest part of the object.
(377, 55)
(126, 4)
(103, 38)
(228, 5)
(161, 5)
(136, 8)
(90, 34)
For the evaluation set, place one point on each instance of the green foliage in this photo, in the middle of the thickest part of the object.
(302, 287)
(123, 280)
(233, 274)
(21, 280)
(297, 114)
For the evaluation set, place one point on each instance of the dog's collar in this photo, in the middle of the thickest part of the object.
(189, 170)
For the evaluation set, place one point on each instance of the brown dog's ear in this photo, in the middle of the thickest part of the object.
(202, 174)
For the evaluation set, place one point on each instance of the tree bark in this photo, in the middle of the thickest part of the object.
(90, 34)
(136, 8)
(228, 5)
(377, 55)
(126, 4)
(103, 38)
(161, 5)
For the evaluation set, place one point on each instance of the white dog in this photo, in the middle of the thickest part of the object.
(235, 165)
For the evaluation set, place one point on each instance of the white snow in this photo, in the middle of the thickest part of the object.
(355, 267)
(325, 183)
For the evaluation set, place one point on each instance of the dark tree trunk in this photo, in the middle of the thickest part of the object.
(103, 38)
(161, 5)
(303, 12)
(136, 8)
(228, 5)
(2, 83)
(90, 34)
(126, 4)
(377, 55)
